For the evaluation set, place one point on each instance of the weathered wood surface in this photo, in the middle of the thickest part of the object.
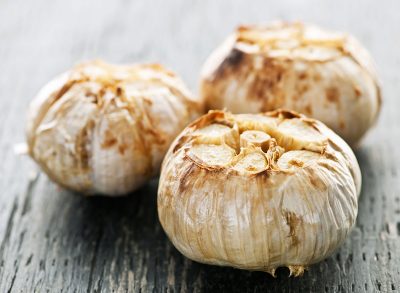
(52, 240)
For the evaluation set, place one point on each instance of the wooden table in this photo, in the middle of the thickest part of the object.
(52, 240)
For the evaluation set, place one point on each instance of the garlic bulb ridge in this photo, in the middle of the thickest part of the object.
(258, 191)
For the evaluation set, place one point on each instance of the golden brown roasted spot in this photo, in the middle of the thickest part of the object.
(252, 143)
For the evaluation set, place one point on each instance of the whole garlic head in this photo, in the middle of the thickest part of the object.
(104, 129)
(258, 191)
(326, 75)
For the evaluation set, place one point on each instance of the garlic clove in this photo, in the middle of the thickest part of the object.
(297, 159)
(212, 155)
(64, 133)
(256, 122)
(218, 134)
(256, 138)
(116, 144)
(250, 162)
(299, 134)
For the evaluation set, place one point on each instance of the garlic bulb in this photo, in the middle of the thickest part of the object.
(104, 129)
(268, 190)
(326, 75)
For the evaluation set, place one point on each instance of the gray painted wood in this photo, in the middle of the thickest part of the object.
(52, 240)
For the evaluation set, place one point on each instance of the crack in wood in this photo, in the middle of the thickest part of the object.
(12, 283)
(94, 260)
(28, 194)
(9, 228)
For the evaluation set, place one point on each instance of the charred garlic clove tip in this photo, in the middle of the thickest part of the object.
(286, 196)
(104, 129)
(256, 138)
(299, 134)
(218, 134)
(251, 162)
(297, 159)
(212, 155)
(326, 75)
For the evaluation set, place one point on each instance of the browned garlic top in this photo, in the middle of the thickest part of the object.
(258, 191)
(324, 74)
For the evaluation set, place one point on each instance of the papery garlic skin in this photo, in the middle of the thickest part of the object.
(326, 75)
(291, 204)
(104, 129)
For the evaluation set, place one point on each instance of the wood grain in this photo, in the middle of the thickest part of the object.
(52, 240)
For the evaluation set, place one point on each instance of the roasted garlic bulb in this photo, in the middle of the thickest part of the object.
(258, 191)
(326, 75)
(104, 129)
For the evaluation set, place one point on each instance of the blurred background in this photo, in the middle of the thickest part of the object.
(42, 38)
(53, 240)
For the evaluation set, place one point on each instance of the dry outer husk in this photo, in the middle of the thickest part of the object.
(104, 129)
(258, 207)
(326, 75)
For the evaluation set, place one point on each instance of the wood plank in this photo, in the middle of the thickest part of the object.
(56, 241)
